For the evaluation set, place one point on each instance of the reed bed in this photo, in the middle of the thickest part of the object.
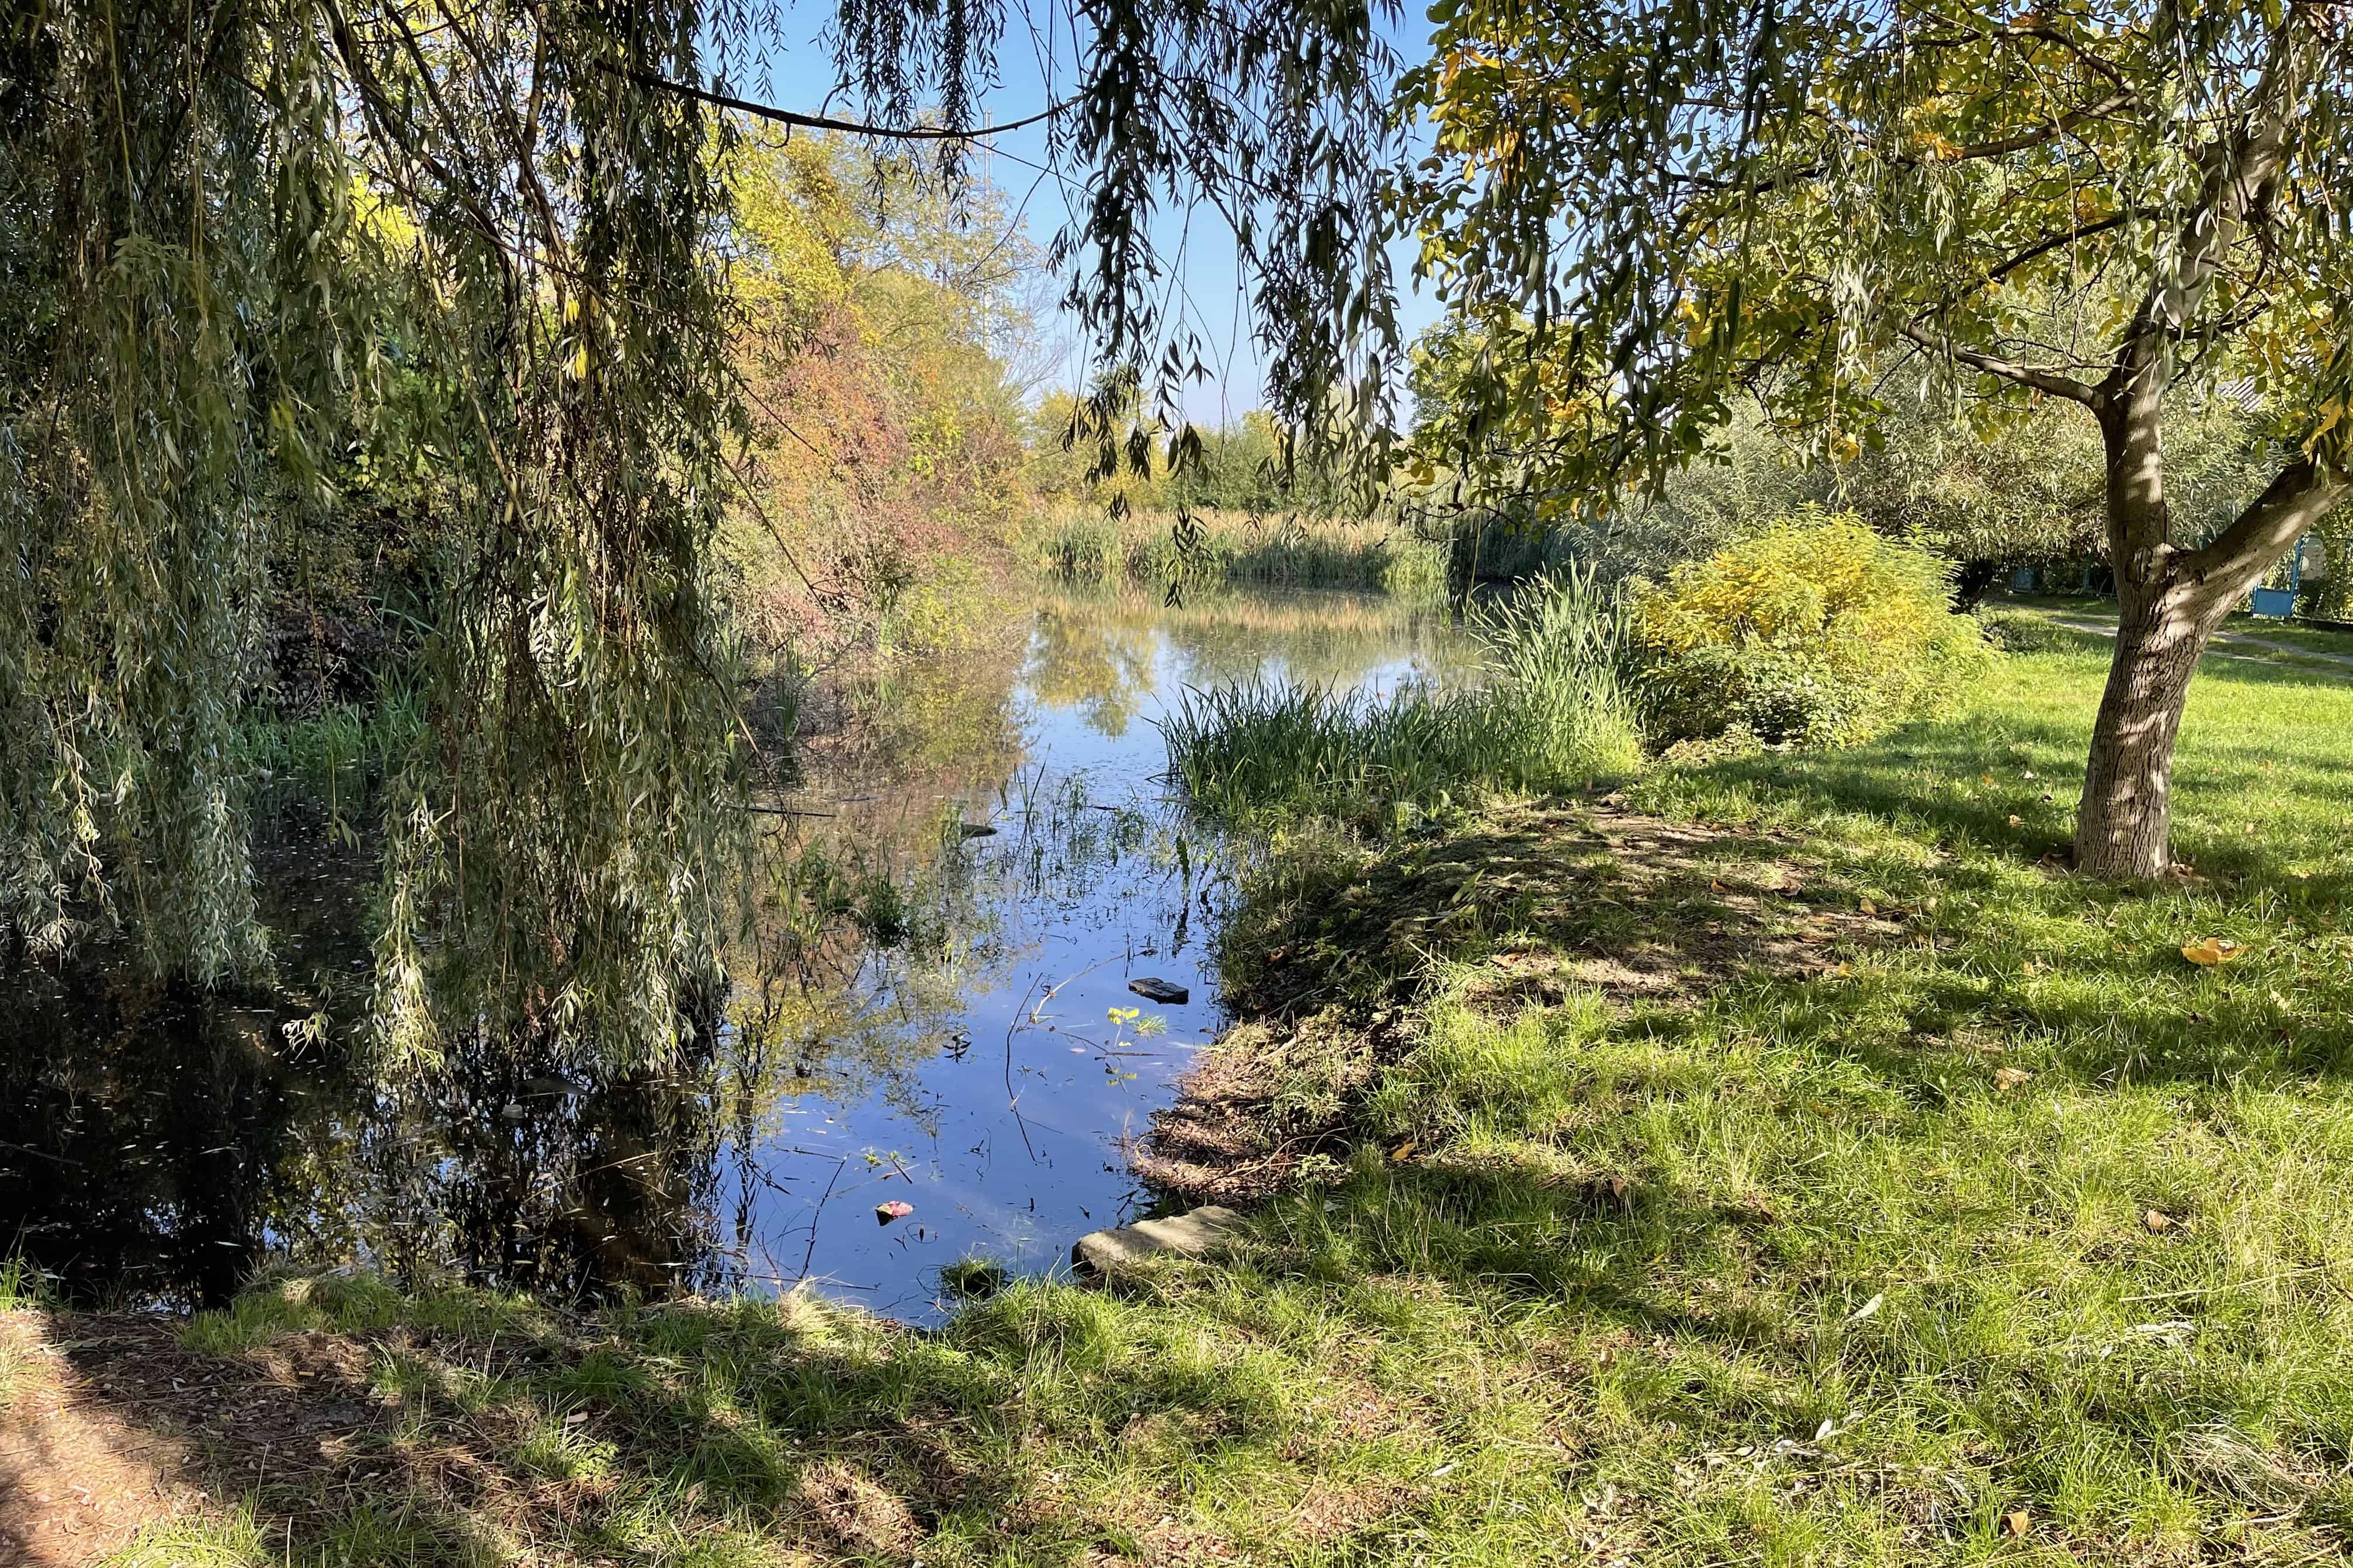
(1553, 711)
(1089, 545)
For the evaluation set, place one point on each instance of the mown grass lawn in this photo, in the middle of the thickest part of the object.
(1782, 1166)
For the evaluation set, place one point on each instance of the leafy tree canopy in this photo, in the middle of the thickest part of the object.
(1641, 212)
(1645, 211)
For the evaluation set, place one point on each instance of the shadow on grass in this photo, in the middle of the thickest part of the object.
(2259, 793)
(362, 1426)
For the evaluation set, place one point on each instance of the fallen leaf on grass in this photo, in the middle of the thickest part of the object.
(2213, 950)
(1403, 1152)
(2017, 1522)
(1869, 908)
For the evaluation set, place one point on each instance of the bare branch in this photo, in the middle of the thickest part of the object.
(821, 122)
(2057, 128)
(2044, 247)
(2047, 381)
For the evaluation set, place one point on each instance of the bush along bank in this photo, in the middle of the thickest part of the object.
(1810, 630)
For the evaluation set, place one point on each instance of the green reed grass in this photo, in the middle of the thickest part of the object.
(1553, 712)
(1088, 545)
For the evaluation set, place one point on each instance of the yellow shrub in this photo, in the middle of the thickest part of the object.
(1811, 629)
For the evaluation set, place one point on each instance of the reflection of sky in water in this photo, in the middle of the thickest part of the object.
(158, 1144)
(1017, 1176)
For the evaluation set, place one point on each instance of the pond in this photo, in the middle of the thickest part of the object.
(934, 1053)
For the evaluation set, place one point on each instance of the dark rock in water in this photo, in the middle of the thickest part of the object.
(1152, 989)
(978, 830)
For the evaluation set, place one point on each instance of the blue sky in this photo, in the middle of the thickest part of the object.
(795, 70)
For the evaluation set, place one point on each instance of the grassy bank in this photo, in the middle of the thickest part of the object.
(1086, 545)
(1778, 1164)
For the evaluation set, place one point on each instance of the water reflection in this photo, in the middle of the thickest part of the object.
(932, 1011)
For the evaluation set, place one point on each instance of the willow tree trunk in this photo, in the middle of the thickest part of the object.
(2170, 602)
(2124, 823)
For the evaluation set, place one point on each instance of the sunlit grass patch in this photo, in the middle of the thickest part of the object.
(205, 1540)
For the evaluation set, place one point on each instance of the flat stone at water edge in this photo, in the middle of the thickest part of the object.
(1195, 1235)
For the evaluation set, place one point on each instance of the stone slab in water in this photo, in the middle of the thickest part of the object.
(1195, 1235)
(1153, 989)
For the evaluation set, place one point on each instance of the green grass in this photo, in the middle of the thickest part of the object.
(1552, 713)
(201, 1541)
(2306, 649)
(1088, 545)
(1830, 1243)
(2317, 639)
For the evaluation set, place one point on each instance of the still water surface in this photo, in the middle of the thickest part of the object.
(980, 857)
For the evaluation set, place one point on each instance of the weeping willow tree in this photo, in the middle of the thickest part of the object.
(262, 257)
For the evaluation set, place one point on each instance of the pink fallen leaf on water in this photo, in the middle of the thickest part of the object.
(896, 1208)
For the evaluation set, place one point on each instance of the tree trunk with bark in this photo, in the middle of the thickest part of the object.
(2124, 825)
(2170, 602)
(2169, 598)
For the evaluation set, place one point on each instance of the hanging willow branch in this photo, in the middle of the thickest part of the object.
(442, 288)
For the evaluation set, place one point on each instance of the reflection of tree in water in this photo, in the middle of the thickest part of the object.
(163, 1143)
(1083, 660)
(946, 719)
(837, 1000)
(152, 1132)
(1231, 634)
(517, 1161)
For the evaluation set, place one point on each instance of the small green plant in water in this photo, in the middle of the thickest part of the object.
(973, 1279)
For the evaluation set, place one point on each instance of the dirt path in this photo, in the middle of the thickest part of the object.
(79, 1475)
(2107, 628)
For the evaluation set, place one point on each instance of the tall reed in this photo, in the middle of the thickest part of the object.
(1553, 711)
(1087, 545)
